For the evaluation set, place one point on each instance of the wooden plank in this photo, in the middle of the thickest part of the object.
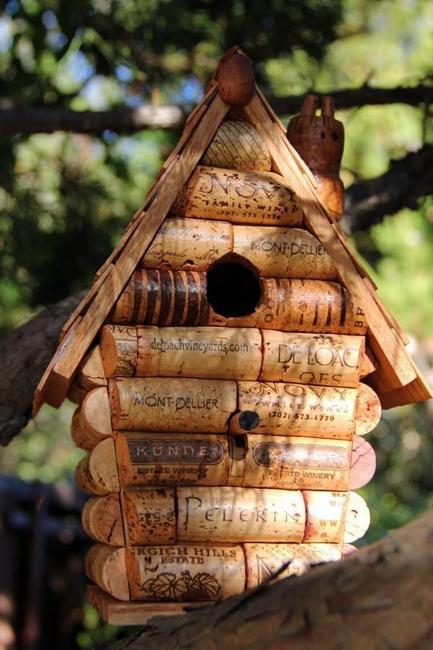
(57, 385)
(416, 391)
(39, 396)
(117, 612)
(83, 304)
(387, 314)
(396, 364)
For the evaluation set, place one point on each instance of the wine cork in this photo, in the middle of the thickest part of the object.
(165, 459)
(233, 353)
(259, 461)
(103, 521)
(263, 561)
(132, 516)
(80, 435)
(330, 360)
(283, 252)
(368, 412)
(97, 472)
(238, 145)
(159, 404)
(161, 298)
(297, 463)
(185, 573)
(248, 197)
(207, 352)
(189, 244)
(325, 516)
(118, 346)
(90, 375)
(107, 567)
(277, 252)
(335, 516)
(357, 518)
(239, 514)
(225, 515)
(296, 409)
(95, 415)
(363, 464)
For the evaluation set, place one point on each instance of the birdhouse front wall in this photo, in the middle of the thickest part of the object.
(222, 408)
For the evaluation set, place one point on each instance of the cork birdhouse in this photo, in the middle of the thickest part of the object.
(227, 364)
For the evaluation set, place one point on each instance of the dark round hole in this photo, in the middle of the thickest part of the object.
(233, 289)
(249, 420)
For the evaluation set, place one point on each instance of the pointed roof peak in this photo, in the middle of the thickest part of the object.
(396, 379)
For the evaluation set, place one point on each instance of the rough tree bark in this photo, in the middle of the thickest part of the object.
(25, 352)
(47, 120)
(380, 598)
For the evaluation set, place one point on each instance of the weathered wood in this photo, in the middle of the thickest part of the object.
(237, 145)
(243, 197)
(179, 298)
(117, 612)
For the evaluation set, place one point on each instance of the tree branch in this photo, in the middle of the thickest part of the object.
(406, 181)
(25, 352)
(48, 120)
(377, 598)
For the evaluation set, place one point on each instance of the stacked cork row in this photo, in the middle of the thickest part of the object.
(222, 445)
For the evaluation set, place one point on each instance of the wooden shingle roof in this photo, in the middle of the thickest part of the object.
(396, 379)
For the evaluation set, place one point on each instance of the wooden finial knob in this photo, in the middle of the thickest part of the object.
(235, 78)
